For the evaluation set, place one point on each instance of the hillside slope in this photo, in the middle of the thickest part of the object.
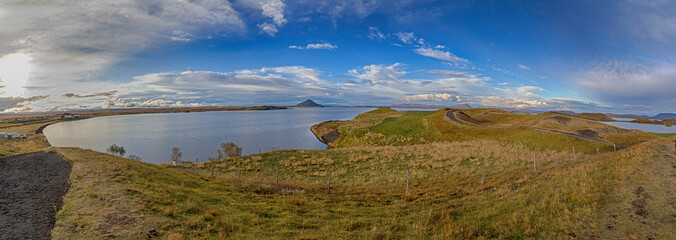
(543, 131)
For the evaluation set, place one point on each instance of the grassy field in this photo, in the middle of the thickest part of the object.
(113, 197)
(386, 127)
(32, 143)
(666, 135)
(284, 194)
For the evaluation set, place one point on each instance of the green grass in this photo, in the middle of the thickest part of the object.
(384, 127)
(408, 125)
(664, 135)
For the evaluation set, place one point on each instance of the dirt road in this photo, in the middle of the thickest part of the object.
(32, 187)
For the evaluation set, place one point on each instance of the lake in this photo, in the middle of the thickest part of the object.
(198, 134)
(643, 127)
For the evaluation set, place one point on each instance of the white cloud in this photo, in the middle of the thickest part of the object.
(524, 67)
(448, 73)
(268, 28)
(407, 38)
(374, 34)
(273, 9)
(321, 46)
(437, 97)
(511, 102)
(57, 35)
(523, 91)
(378, 74)
(626, 83)
(315, 46)
(652, 20)
(441, 55)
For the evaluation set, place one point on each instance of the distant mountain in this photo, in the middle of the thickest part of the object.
(521, 110)
(308, 103)
(665, 116)
(634, 116)
(461, 106)
(422, 106)
(566, 112)
(525, 110)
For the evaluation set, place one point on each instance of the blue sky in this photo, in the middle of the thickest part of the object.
(591, 56)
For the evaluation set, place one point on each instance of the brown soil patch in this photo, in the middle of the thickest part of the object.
(32, 189)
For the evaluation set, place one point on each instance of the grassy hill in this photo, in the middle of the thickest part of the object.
(545, 131)
(596, 117)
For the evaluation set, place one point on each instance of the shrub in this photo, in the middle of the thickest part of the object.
(229, 149)
(176, 156)
(114, 149)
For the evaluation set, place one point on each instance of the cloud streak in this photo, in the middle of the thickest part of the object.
(327, 46)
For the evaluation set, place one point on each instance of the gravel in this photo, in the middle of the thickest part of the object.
(32, 187)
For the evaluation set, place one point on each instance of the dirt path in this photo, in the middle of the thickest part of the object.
(643, 206)
(32, 187)
(452, 117)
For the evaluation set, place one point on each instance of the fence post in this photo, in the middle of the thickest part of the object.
(483, 174)
(574, 155)
(406, 182)
(238, 172)
(598, 152)
(329, 182)
(277, 176)
(212, 171)
(535, 163)
(614, 147)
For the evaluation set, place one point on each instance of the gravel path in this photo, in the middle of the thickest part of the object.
(32, 187)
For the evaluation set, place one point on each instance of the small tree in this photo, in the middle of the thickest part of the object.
(134, 157)
(176, 156)
(114, 149)
(229, 149)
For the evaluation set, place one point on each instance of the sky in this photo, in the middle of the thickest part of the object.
(583, 56)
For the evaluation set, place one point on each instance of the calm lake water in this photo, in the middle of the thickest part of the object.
(643, 127)
(198, 134)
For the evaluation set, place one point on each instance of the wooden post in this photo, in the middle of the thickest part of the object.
(598, 152)
(614, 147)
(329, 182)
(406, 182)
(483, 174)
(238, 172)
(574, 155)
(535, 163)
(195, 167)
(277, 176)
(212, 171)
